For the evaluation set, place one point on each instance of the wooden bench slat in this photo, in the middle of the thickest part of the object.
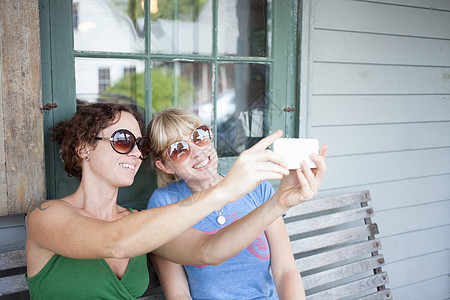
(332, 238)
(352, 288)
(12, 259)
(341, 272)
(336, 255)
(328, 203)
(13, 284)
(330, 220)
(380, 295)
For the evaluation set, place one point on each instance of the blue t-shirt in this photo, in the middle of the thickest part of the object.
(244, 276)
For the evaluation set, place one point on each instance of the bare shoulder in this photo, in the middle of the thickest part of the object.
(47, 209)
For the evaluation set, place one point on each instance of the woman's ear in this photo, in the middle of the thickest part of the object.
(163, 167)
(83, 151)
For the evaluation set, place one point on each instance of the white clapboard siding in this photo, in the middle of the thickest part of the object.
(383, 167)
(422, 290)
(357, 47)
(379, 79)
(378, 93)
(402, 193)
(378, 109)
(399, 246)
(360, 139)
(429, 4)
(362, 16)
(417, 269)
(413, 218)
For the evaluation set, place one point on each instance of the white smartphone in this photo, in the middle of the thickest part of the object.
(294, 151)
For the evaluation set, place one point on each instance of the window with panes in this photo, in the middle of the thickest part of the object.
(229, 61)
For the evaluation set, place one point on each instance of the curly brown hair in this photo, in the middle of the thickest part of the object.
(82, 128)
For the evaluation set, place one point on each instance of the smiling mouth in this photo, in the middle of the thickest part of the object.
(128, 166)
(202, 164)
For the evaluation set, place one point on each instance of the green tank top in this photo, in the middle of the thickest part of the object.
(67, 278)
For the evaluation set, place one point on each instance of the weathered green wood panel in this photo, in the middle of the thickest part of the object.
(21, 100)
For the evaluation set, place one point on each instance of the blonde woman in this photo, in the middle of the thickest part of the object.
(186, 162)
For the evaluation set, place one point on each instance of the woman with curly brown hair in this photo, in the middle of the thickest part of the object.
(85, 246)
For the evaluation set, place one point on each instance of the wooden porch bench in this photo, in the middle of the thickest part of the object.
(334, 244)
(336, 250)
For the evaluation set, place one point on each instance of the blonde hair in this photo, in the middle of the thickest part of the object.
(167, 127)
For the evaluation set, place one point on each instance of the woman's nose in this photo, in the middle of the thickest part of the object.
(135, 151)
(197, 151)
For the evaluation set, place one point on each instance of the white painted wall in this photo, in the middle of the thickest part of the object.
(376, 88)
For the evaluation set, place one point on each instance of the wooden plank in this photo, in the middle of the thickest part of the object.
(418, 269)
(336, 255)
(329, 220)
(332, 202)
(12, 238)
(354, 47)
(401, 193)
(334, 275)
(349, 140)
(346, 171)
(408, 219)
(422, 290)
(13, 284)
(428, 240)
(429, 4)
(12, 221)
(362, 16)
(21, 89)
(153, 297)
(362, 79)
(12, 259)
(378, 109)
(332, 238)
(352, 288)
(381, 295)
(3, 186)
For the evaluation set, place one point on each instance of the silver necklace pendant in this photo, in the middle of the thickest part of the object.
(221, 219)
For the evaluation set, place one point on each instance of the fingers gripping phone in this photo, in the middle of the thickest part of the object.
(294, 151)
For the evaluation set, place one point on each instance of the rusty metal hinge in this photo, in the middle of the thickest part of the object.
(49, 106)
(289, 109)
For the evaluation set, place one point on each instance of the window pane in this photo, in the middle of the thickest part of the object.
(110, 80)
(108, 25)
(242, 106)
(242, 29)
(181, 27)
(182, 84)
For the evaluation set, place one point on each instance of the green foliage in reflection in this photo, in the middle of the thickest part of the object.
(186, 10)
(131, 89)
